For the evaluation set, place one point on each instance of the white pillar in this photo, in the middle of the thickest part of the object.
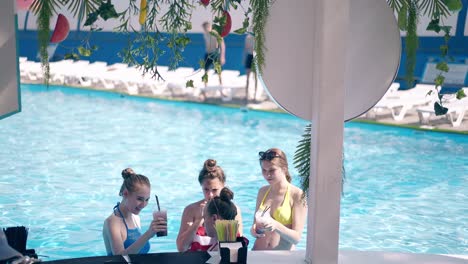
(9, 73)
(331, 19)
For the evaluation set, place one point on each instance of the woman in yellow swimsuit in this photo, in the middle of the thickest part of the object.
(281, 210)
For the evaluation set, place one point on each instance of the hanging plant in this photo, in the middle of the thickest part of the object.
(408, 13)
(44, 10)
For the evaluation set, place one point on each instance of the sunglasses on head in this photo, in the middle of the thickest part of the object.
(268, 155)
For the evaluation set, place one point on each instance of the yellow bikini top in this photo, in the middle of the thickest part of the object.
(282, 214)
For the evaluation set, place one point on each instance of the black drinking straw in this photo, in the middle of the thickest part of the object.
(157, 201)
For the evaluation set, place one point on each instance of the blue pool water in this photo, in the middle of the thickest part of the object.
(62, 156)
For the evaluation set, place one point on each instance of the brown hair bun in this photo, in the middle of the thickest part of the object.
(210, 165)
(128, 172)
(226, 194)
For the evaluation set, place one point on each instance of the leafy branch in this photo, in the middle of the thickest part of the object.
(261, 11)
(302, 161)
(408, 12)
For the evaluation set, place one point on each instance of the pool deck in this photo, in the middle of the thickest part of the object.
(411, 120)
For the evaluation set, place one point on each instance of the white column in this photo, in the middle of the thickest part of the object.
(330, 29)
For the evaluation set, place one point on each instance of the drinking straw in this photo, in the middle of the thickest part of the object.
(157, 201)
(226, 230)
(265, 210)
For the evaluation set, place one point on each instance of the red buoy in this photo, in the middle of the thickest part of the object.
(62, 28)
(227, 26)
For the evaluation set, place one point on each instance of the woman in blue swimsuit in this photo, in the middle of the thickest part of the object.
(122, 229)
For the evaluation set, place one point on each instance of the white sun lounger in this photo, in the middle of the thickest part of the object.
(400, 102)
(456, 111)
(89, 74)
(176, 81)
(31, 70)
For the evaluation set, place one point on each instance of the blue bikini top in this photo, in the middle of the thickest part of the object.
(132, 234)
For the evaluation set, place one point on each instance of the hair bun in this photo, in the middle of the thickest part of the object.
(128, 172)
(226, 194)
(210, 165)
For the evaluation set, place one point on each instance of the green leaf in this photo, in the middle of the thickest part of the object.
(439, 80)
(84, 52)
(460, 94)
(453, 5)
(442, 66)
(201, 62)
(403, 17)
(92, 17)
(434, 25)
(217, 67)
(439, 109)
(189, 83)
(240, 31)
(446, 29)
(94, 48)
(443, 50)
(205, 78)
(107, 10)
(72, 56)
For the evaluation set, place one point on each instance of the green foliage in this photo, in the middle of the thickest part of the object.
(217, 67)
(439, 80)
(260, 14)
(403, 17)
(218, 23)
(176, 21)
(460, 94)
(442, 66)
(44, 9)
(435, 8)
(411, 41)
(189, 83)
(439, 109)
(205, 78)
(245, 23)
(84, 51)
(72, 56)
(82, 7)
(302, 160)
(453, 5)
(408, 12)
(106, 10)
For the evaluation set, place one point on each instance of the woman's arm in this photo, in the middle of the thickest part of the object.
(239, 220)
(192, 218)
(299, 211)
(253, 231)
(223, 52)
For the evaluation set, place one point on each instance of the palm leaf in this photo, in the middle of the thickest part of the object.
(433, 8)
(82, 7)
(46, 6)
(301, 161)
(396, 5)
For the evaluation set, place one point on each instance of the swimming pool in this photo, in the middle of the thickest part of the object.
(62, 156)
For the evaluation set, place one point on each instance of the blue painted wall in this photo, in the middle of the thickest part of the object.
(111, 43)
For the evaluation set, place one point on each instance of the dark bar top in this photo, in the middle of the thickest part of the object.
(159, 258)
